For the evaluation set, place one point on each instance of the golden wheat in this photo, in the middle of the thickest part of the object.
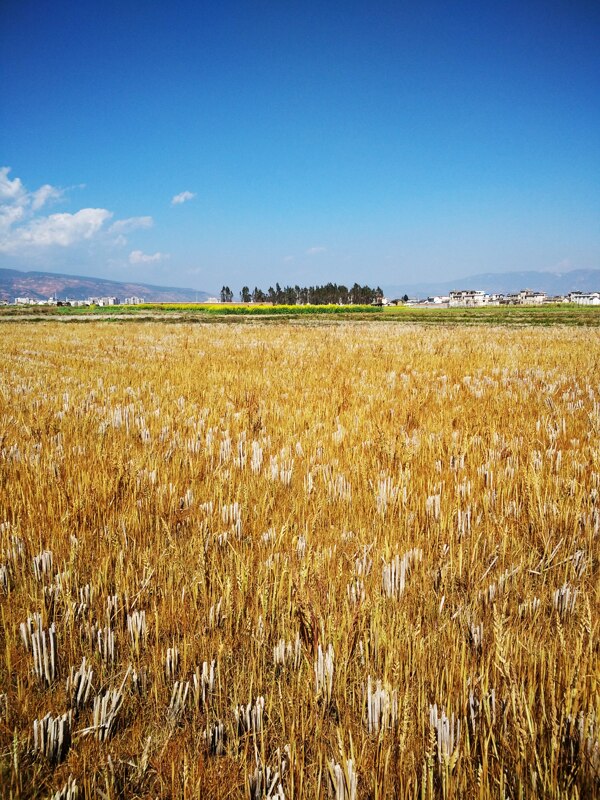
(351, 560)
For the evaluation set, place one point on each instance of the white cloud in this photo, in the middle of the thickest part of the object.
(28, 233)
(287, 259)
(10, 215)
(137, 257)
(182, 197)
(10, 190)
(42, 195)
(14, 193)
(131, 224)
(57, 229)
(313, 251)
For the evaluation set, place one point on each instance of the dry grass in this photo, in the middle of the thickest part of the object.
(348, 561)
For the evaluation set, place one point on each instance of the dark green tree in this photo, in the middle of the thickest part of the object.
(300, 295)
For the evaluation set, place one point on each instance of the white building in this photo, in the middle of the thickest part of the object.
(133, 301)
(528, 297)
(467, 297)
(585, 298)
(104, 301)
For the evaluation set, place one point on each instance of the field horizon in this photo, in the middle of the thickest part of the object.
(551, 314)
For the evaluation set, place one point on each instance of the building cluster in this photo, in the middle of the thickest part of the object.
(90, 301)
(466, 298)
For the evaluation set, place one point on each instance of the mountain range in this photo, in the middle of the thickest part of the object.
(553, 283)
(42, 285)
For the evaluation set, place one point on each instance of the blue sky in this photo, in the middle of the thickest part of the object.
(388, 143)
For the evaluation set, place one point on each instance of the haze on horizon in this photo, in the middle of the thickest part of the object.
(199, 144)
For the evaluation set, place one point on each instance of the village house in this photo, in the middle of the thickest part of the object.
(104, 301)
(77, 303)
(527, 297)
(31, 301)
(467, 297)
(585, 298)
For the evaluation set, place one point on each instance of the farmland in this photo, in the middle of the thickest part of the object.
(351, 560)
(544, 315)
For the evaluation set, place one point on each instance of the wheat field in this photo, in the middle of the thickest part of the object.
(348, 560)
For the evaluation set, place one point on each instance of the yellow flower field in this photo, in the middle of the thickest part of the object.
(354, 560)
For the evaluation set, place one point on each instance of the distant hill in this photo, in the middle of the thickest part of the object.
(553, 283)
(42, 285)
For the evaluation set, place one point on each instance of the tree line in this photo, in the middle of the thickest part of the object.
(330, 293)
